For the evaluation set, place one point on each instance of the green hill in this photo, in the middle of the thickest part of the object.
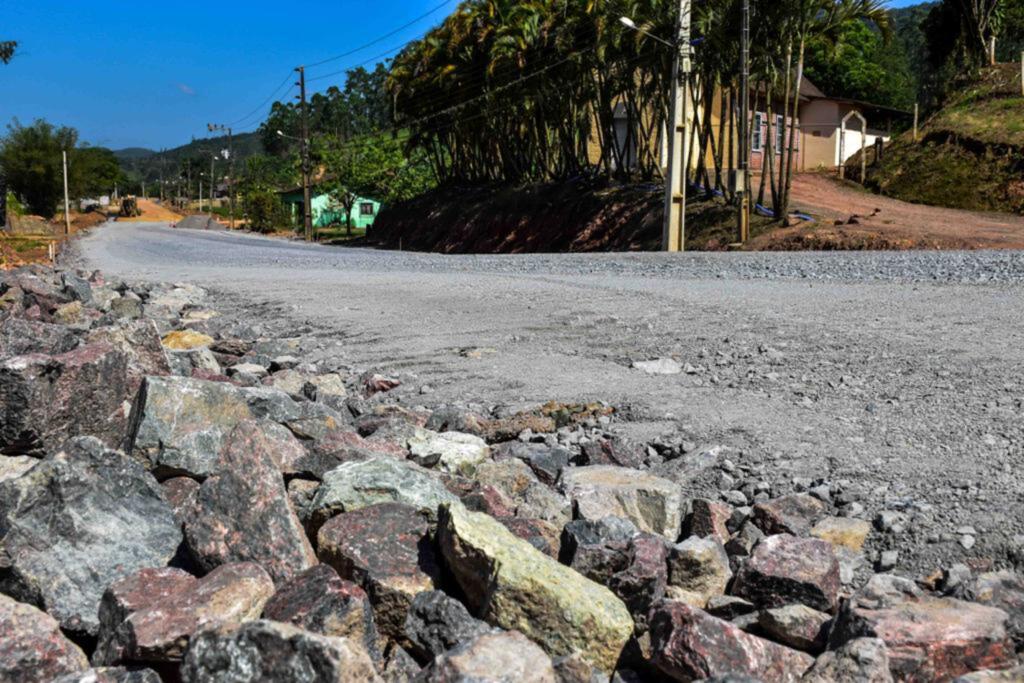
(140, 163)
(970, 154)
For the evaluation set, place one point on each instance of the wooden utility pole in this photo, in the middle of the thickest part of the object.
(743, 171)
(67, 201)
(307, 208)
(674, 233)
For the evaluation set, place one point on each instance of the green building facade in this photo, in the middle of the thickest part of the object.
(328, 212)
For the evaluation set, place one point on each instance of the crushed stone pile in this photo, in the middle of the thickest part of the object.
(184, 496)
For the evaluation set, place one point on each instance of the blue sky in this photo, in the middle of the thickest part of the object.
(153, 74)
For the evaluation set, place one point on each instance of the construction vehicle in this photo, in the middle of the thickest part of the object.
(130, 207)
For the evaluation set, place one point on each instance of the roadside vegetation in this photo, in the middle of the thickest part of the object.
(970, 154)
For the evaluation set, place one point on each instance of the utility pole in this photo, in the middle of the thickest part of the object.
(674, 233)
(307, 209)
(743, 172)
(213, 182)
(67, 201)
(231, 169)
(162, 152)
(916, 111)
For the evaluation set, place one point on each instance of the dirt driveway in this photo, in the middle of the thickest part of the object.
(885, 223)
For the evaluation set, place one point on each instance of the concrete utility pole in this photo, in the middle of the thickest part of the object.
(307, 208)
(231, 170)
(743, 172)
(674, 233)
(213, 182)
(67, 201)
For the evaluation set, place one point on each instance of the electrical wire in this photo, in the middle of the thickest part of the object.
(382, 38)
(264, 102)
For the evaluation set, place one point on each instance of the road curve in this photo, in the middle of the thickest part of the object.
(902, 373)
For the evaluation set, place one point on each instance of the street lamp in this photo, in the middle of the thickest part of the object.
(630, 24)
(674, 231)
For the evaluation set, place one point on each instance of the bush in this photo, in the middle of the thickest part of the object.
(14, 207)
(264, 210)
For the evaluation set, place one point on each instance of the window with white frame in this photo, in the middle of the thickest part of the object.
(780, 133)
(757, 144)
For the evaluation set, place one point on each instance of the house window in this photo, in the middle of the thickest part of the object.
(758, 141)
(366, 209)
(780, 133)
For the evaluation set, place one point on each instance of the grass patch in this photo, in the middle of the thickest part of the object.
(339, 235)
(970, 155)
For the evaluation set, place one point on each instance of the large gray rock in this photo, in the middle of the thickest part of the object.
(864, 660)
(264, 651)
(12, 467)
(451, 452)
(179, 425)
(32, 648)
(651, 503)
(139, 341)
(19, 337)
(497, 657)
(700, 566)
(530, 498)
(437, 623)
(111, 674)
(46, 400)
(76, 522)
(242, 512)
(356, 485)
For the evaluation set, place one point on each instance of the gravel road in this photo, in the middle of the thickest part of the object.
(898, 375)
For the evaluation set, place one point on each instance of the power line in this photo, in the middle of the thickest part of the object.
(264, 102)
(376, 41)
(356, 66)
(382, 38)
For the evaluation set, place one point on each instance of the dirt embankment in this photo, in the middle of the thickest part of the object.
(572, 217)
(969, 155)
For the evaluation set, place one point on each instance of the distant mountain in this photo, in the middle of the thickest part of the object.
(146, 164)
(133, 153)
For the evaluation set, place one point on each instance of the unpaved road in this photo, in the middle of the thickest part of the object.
(902, 373)
(900, 223)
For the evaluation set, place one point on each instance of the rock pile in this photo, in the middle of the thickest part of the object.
(183, 498)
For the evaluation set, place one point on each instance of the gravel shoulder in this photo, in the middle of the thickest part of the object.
(900, 372)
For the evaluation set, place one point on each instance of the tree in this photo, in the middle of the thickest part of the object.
(258, 185)
(7, 49)
(858, 63)
(94, 171)
(32, 162)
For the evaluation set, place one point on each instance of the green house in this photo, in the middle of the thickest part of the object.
(329, 212)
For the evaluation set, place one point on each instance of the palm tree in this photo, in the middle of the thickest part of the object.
(810, 19)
